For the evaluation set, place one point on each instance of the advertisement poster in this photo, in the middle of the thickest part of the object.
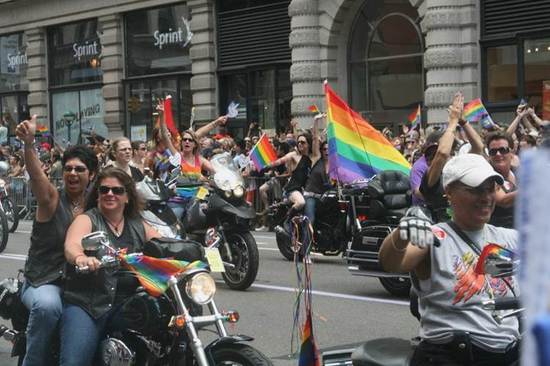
(546, 100)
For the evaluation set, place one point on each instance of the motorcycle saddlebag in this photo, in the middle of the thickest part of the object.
(180, 249)
(10, 301)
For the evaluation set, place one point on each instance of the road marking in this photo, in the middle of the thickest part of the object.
(269, 249)
(23, 231)
(336, 295)
(19, 257)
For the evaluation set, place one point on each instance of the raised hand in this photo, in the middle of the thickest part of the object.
(416, 227)
(26, 130)
(457, 107)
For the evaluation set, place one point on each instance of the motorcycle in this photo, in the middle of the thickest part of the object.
(330, 228)
(376, 208)
(161, 330)
(398, 352)
(9, 207)
(219, 218)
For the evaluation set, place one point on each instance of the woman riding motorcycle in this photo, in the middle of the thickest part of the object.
(455, 329)
(317, 183)
(42, 290)
(91, 300)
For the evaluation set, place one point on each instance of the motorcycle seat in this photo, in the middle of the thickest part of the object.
(390, 194)
(383, 352)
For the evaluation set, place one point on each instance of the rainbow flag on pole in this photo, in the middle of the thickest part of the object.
(356, 149)
(415, 118)
(475, 112)
(262, 153)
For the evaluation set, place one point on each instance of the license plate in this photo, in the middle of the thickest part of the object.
(214, 259)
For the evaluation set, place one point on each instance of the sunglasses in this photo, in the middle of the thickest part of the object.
(480, 190)
(77, 168)
(501, 150)
(119, 191)
(187, 139)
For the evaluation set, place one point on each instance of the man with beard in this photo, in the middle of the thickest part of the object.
(42, 289)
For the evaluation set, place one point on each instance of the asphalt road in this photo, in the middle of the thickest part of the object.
(347, 310)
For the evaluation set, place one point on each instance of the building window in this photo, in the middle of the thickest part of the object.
(516, 69)
(385, 55)
(264, 96)
(75, 77)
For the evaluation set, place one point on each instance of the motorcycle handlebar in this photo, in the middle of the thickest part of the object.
(502, 303)
(105, 262)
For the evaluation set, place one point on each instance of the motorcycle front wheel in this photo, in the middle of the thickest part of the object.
(245, 258)
(12, 214)
(239, 355)
(397, 286)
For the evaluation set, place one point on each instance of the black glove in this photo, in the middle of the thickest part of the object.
(416, 227)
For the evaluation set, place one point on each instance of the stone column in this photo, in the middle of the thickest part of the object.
(36, 74)
(305, 72)
(202, 54)
(451, 54)
(112, 64)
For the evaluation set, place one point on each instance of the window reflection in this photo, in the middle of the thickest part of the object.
(537, 68)
(502, 73)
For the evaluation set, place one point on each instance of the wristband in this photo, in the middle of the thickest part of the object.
(462, 122)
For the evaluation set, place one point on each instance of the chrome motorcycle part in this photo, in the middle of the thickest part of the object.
(201, 288)
(115, 353)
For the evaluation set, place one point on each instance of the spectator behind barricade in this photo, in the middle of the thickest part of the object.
(222, 133)
(411, 151)
(17, 166)
(3, 132)
(254, 129)
(277, 178)
(139, 152)
(240, 159)
(120, 156)
(420, 167)
(430, 186)
(56, 169)
(500, 148)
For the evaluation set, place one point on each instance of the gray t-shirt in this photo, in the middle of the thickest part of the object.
(445, 305)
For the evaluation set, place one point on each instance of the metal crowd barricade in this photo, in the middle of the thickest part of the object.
(18, 191)
(253, 184)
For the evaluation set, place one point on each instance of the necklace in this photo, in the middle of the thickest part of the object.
(116, 228)
(76, 207)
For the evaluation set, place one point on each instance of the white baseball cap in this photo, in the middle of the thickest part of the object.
(469, 169)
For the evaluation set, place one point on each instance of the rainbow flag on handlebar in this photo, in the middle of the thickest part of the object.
(153, 273)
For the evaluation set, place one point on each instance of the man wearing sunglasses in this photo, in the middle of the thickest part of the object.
(500, 149)
(56, 209)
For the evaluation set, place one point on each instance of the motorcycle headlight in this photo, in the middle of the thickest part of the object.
(238, 191)
(201, 288)
(227, 193)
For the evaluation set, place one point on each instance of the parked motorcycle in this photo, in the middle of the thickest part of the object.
(221, 210)
(376, 210)
(398, 352)
(9, 207)
(161, 330)
(330, 228)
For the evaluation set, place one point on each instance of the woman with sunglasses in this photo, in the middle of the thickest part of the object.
(42, 289)
(114, 207)
(299, 162)
(500, 149)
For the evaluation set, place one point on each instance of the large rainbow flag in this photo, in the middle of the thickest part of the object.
(356, 149)
(262, 153)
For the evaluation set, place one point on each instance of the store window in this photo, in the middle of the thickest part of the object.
(517, 69)
(264, 96)
(77, 105)
(13, 83)
(385, 54)
(157, 65)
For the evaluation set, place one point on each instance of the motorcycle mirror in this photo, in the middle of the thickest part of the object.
(95, 241)
(498, 266)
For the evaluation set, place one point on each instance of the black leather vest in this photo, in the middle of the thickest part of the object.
(96, 292)
(46, 257)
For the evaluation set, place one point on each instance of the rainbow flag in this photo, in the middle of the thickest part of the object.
(41, 129)
(475, 112)
(313, 109)
(356, 149)
(309, 353)
(154, 273)
(415, 118)
(262, 153)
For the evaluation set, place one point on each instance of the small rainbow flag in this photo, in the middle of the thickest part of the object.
(262, 153)
(356, 149)
(313, 109)
(42, 129)
(153, 273)
(415, 118)
(475, 112)
(309, 352)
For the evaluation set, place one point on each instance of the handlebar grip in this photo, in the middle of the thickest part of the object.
(507, 303)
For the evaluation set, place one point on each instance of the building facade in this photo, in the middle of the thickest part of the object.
(99, 67)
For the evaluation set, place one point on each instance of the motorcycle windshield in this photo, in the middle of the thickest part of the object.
(227, 176)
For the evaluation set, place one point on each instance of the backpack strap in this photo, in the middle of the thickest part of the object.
(464, 237)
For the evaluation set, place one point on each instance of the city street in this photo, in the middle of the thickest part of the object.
(347, 310)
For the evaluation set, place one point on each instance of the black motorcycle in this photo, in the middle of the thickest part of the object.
(330, 228)
(221, 212)
(161, 330)
(376, 210)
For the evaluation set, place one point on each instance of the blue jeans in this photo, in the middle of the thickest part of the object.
(80, 336)
(45, 306)
(309, 211)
